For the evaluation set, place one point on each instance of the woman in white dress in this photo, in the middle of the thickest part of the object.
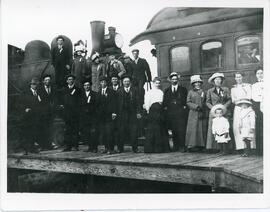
(156, 134)
(239, 92)
(257, 102)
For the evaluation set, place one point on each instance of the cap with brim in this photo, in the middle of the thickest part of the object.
(95, 56)
(218, 106)
(215, 75)
(173, 74)
(115, 75)
(85, 80)
(70, 75)
(243, 101)
(126, 76)
(195, 78)
(79, 48)
(34, 81)
(60, 37)
(102, 78)
(135, 50)
(46, 75)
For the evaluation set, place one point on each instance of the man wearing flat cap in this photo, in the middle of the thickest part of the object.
(88, 115)
(71, 105)
(176, 111)
(31, 104)
(106, 114)
(129, 111)
(61, 62)
(48, 102)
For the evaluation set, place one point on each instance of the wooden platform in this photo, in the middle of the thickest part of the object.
(240, 174)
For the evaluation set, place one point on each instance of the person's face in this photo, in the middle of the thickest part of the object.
(87, 86)
(219, 113)
(97, 60)
(157, 84)
(70, 80)
(34, 86)
(135, 54)
(244, 105)
(174, 80)
(114, 80)
(259, 75)
(60, 41)
(79, 53)
(218, 81)
(103, 84)
(47, 81)
(197, 85)
(238, 78)
(126, 82)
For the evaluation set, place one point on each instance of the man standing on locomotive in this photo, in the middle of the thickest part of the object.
(175, 97)
(61, 62)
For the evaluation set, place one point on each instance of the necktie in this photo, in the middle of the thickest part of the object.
(174, 89)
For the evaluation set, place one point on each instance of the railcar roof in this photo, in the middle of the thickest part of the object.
(171, 18)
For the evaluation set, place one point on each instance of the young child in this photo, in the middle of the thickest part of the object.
(220, 127)
(247, 125)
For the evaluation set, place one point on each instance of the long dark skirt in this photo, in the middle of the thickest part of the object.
(156, 133)
(258, 127)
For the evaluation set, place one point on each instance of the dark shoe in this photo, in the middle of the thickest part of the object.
(68, 149)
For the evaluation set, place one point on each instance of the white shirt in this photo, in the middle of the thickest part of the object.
(127, 89)
(257, 93)
(87, 93)
(115, 87)
(174, 88)
(220, 125)
(48, 89)
(34, 92)
(103, 91)
(151, 97)
(70, 86)
(136, 60)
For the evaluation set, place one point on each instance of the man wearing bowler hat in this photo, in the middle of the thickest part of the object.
(88, 115)
(71, 104)
(176, 111)
(106, 114)
(31, 103)
(129, 111)
(61, 62)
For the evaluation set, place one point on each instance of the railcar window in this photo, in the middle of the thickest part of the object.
(180, 59)
(248, 50)
(211, 53)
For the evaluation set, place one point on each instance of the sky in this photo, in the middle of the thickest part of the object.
(27, 20)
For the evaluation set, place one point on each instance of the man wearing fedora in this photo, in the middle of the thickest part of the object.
(128, 112)
(48, 97)
(31, 104)
(175, 97)
(106, 114)
(71, 105)
(98, 69)
(61, 62)
(88, 115)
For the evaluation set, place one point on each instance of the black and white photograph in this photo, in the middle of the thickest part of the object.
(126, 98)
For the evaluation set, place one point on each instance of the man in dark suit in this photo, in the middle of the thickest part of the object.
(106, 114)
(31, 103)
(88, 115)
(129, 110)
(141, 72)
(61, 62)
(176, 111)
(48, 101)
(71, 104)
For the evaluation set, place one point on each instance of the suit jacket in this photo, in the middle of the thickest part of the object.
(175, 104)
(106, 104)
(48, 101)
(88, 108)
(60, 59)
(141, 70)
(71, 102)
(213, 98)
(28, 100)
(134, 104)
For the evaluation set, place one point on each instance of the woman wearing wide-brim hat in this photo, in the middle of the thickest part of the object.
(216, 95)
(196, 125)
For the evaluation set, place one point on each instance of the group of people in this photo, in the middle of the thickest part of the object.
(107, 105)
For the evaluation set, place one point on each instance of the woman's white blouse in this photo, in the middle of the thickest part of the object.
(242, 91)
(152, 96)
(257, 93)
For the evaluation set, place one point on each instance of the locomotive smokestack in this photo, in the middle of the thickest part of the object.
(98, 29)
